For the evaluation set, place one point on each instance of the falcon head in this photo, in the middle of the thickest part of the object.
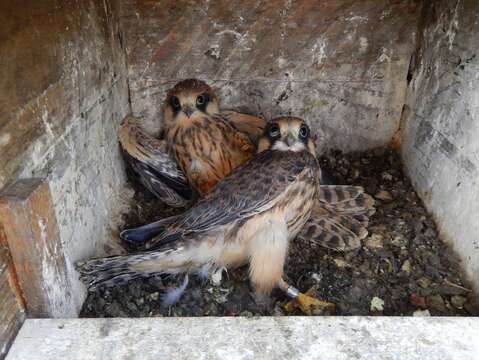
(287, 134)
(189, 98)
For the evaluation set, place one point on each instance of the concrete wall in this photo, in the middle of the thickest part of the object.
(341, 64)
(441, 135)
(63, 94)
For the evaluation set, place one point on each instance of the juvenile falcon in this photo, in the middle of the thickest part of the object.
(205, 144)
(159, 163)
(248, 218)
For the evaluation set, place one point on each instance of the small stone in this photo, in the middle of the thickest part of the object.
(375, 241)
(316, 277)
(421, 313)
(384, 195)
(247, 314)
(424, 282)
(340, 262)
(155, 296)
(458, 301)
(387, 176)
(355, 174)
(436, 302)
(131, 306)
(417, 300)
(140, 301)
(115, 310)
(377, 304)
(406, 266)
(399, 241)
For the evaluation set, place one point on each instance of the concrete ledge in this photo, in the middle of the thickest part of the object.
(248, 338)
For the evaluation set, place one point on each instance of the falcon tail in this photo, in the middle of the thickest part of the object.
(117, 270)
(340, 218)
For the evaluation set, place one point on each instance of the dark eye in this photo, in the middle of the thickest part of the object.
(175, 103)
(303, 131)
(201, 101)
(274, 130)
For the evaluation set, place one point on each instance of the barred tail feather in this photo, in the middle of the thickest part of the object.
(117, 270)
(340, 218)
(344, 199)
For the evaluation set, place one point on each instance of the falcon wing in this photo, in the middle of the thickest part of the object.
(250, 125)
(340, 218)
(157, 171)
(252, 188)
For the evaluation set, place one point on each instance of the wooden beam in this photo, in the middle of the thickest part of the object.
(12, 305)
(30, 229)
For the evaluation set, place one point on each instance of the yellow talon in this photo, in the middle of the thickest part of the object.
(307, 303)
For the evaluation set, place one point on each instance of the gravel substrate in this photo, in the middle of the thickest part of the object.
(403, 267)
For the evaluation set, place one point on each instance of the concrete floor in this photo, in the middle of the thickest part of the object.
(249, 338)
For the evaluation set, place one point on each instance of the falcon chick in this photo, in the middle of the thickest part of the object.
(206, 145)
(156, 162)
(249, 217)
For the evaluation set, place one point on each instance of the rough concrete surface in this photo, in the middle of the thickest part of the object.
(341, 64)
(440, 143)
(249, 338)
(64, 93)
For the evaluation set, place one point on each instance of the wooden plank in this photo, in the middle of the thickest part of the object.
(12, 306)
(31, 232)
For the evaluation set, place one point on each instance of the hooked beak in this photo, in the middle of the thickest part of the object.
(289, 140)
(188, 111)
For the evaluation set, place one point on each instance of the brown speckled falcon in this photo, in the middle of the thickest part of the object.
(206, 145)
(202, 145)
(250, 216)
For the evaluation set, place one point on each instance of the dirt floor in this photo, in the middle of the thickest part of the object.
(403, 267)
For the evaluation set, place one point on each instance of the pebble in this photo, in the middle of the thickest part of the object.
(406, 266)
(316, 277)
(155, 296)
(436, 302)
(140, 301)
(458, 301)
(399, 241)
(417, 300)
(247, 314)
(424, 282)
(421, 313)
(387, 176)
(375, 241)
(377, 304)
(340, 262)
(384, 196)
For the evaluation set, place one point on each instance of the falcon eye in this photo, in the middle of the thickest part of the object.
(202, 100)
(303, 131)
(274, 131)
(175, 103)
